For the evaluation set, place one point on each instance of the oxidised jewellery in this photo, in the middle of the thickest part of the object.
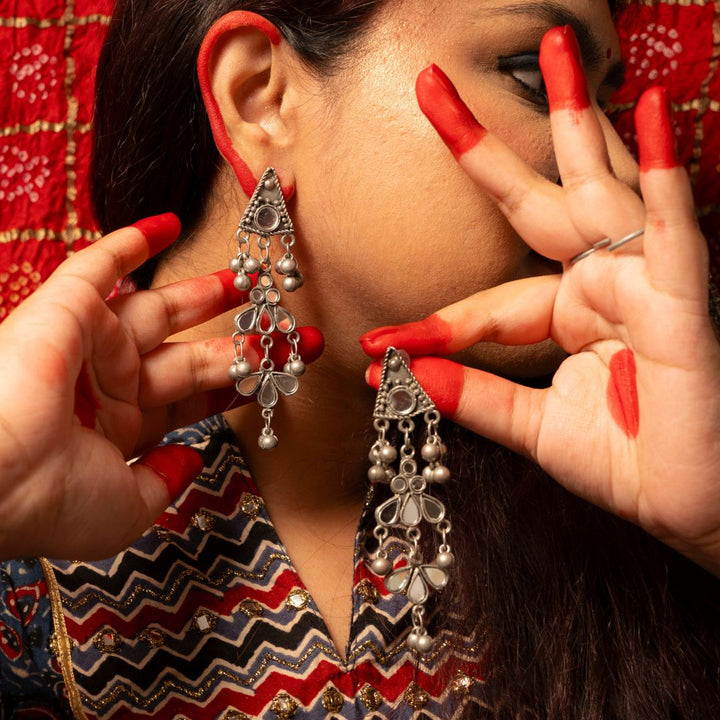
(266, 216)
(607, 244)
(400, 399)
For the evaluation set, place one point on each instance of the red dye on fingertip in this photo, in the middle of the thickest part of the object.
(442, 380)
(86, 404)
(430, 336)
(562, 69)
(160, 231)
(176, 465)
(448, 114)
(655, 131)
(622, 393)
(233, 296)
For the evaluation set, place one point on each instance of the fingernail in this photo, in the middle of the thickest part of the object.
(160, 231)
(562, 68)
(233, 296)
(177, 466)
(448, 114)
(430, 336)
(655, 130)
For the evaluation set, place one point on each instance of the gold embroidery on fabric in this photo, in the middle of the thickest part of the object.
(371, 698)
(187, 574)
(70, 126)
(42, 126)
(297, 599)
(7, 236)
(153, 636)
(368, 592)
(251, 608)
(45, 23)
(62, 641)
(235, 715)
(203, 521)
(107, 641)
(250, 505)
(415, 696)
(332, 699)
(284, 706)
(462, 684)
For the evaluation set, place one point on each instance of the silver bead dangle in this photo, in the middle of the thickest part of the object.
(266, 216)
(400, 399)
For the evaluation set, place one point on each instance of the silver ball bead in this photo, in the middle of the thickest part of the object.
(240, 370)
(235, 265)
(424, 644)
(376, 474)
(269, 184)
(445, 560)
(290, 284)
(441, 474)
(388, 453)
(267, 442)
(251, 265)
(381, 566)
(296, 368)
(373, 455)
(286, 265)
(412, 640)
(427, 474)
(242, 283)
(430, 452)
(394, 363)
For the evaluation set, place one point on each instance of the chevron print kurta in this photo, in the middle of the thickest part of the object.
(205, 618)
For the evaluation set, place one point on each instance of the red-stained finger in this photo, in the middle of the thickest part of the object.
(150, 316)
(580, 145)
(176, 371)
(176, 465)
(675, 250)
(516, 313)
(533, 205)
(480, 401)
(112, 257)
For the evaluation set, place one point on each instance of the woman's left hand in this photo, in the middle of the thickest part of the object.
(632, 419)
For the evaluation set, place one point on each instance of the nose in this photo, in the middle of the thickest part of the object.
(622, 162)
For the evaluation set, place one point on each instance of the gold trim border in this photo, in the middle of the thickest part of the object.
(64, 644)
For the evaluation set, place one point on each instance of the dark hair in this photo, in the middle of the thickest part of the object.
(586, 616)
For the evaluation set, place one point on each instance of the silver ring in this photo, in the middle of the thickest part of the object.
(585, 253)
(626, 239)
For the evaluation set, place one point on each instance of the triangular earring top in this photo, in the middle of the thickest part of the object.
(400, 395)
(266, 214)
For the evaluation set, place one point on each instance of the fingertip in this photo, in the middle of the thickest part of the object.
(374, 343)
(449, 115)
(373, 375)
(159, 231)
(655, 130)
(562, 69)
(233, 296)
(312, 342)
(431, 336)
(176, 465)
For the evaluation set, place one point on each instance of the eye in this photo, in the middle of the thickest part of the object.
(525, 70)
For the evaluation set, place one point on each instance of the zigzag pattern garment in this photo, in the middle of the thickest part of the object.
(205, 618)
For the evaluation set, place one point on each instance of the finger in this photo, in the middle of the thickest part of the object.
(675, 250)
(112, 257)
(484, 403)
(149, 316)
(580, 145)
(177, 371)
(524, 196)
(516, 313)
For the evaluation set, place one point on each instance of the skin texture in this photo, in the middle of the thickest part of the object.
(86, 405)
(622, 393)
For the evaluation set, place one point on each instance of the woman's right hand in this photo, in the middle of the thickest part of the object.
(88, 383)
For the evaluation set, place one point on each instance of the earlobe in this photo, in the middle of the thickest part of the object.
(242, 87)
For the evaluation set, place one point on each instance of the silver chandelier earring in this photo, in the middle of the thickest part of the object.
(400, 399)
(266, 216)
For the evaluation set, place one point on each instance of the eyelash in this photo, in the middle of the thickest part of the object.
(525, 63)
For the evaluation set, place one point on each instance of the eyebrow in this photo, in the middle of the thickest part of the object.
(556, 14)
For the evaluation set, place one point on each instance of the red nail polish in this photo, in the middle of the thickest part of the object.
(655, 130)
(430, 336)
(177, 466)
(160, 231)
(562, 69)
(443, 107)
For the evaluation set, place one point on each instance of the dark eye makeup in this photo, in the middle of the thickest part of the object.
(524, 69)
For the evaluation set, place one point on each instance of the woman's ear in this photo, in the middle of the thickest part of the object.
(243, 68)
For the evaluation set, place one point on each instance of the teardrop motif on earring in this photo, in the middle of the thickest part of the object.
(266, 216)
(401, 398)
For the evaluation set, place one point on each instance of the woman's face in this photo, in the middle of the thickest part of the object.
(390, 227)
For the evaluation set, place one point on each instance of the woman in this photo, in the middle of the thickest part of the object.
(554, 608)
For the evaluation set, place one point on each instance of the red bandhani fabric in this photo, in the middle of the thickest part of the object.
(48, 51)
